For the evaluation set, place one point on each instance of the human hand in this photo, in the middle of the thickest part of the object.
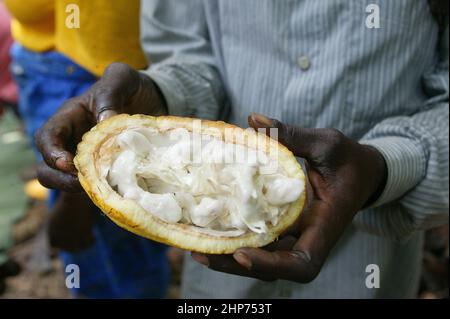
(121, 89)
(343, 177)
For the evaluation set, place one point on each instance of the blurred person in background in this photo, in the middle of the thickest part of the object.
(8, 89)
(366, 107)
(8, 98)
(54, 60)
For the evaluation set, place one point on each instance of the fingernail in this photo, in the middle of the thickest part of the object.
(65, 165)
(62, 164)
(261, 120)
(243, 260)
(105, 115)
(201, 259)
(301, 254)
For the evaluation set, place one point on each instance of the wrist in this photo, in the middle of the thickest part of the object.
(157, 103)
(379, 173)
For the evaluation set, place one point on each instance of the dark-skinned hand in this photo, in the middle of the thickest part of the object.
(343, 177)
(343, 174)
(121, 89)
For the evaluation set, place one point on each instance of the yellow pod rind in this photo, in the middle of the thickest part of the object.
(129, 215)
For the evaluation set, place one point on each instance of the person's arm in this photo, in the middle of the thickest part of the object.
(174, 36)
(416, 151)
(405, 159)
(30, 12)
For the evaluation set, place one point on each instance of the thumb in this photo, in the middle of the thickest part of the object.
(105, 114)
(116, 87)
(297, 139)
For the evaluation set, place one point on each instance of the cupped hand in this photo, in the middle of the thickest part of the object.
(343, 177)
(121, 89)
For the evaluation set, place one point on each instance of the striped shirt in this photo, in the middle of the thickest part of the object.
(321, 64)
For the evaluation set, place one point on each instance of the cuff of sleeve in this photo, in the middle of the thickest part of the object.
(175, 100)
(406, 166)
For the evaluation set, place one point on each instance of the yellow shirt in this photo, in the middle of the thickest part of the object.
(108, 32)
(33, 23)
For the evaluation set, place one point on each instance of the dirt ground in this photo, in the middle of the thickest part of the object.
(31, 284)
(42, 273)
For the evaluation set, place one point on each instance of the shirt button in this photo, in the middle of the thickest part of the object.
(303, 62)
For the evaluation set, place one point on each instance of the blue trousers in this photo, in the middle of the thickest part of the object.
(119, 264)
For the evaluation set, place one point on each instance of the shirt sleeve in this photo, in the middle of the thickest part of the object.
(174, 36)
(416, 150)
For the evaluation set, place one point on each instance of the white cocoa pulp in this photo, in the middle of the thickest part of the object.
(204, 186)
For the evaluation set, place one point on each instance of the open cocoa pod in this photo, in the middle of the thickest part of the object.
(198, 185)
